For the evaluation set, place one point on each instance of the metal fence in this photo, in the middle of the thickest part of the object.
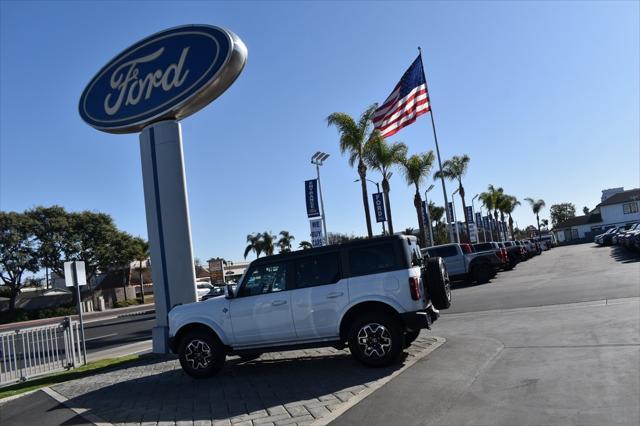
(35, 351)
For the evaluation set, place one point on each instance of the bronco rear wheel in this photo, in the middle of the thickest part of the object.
(375, 339)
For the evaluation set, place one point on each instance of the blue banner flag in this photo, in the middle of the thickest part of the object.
(478, 219)
(311, 195)
(468, 216)
(378, 206)
(450, 216)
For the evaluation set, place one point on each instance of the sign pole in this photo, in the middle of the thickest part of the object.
(324, 220)
(435, 137)
(74, 272)
(168, 225)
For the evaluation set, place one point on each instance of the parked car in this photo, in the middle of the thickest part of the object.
(625, 237)
(374, 295)
(514, 252)
(605, 238)
(203, 288)
(550, 239)
(500, 250)
(463, 264)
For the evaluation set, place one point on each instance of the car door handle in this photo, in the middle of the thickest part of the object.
(278, 302)
(334, 294)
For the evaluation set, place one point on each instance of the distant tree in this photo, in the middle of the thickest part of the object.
(455, 169)
(354, 137)
(545, 223)
(508, 205)
(51, 228)
(536, 207)
(339, 238)
(254, 244)
(140, 254)
(492, 199)
(18, 252)
(585, 210)
(417, 168)
(436, 213)
(267, 240)
(381, 156)
(562, 212)
(305, 245)
(284, 243)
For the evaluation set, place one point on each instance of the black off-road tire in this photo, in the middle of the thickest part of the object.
(375, 339)
(201, 354)
(438, 284)
(410, 337)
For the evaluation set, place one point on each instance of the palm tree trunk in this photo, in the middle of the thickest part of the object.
(538, 219)
(362, 171)
(386, 189)
(464, 212)
(417, 202)
(495, 216)
(511, 225)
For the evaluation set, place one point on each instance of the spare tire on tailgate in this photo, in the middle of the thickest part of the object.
(438, 286)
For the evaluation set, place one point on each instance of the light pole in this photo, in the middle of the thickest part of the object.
(455, 221)
(428, 214)
(318, 159)
(384, 229)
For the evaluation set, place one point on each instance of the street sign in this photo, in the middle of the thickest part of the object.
(166, 76)
(317, 239)
(311, 196)
(74, 274)
(216, 268)
(378, 206)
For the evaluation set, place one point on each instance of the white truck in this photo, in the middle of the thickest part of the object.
(465, 265)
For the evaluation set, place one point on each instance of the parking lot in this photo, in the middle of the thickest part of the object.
(551, 342)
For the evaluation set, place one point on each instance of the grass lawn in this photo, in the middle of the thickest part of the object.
(85, 370)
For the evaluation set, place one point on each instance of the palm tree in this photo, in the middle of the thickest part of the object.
(381, 156)
(284, 243)
(304, 245)
(455, 169)
(508, 206)
(536, 206)
(353, 140)
(416, 168)
(141, 254)
(545, 223)
(491, 199)
(267, 240)
(254, 243)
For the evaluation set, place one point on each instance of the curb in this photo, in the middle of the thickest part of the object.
(439, 341)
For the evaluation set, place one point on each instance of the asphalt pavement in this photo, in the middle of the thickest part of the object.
(554, 342)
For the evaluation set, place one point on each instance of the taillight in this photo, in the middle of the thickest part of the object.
(521, 250)
(504, 254)
(414, 286)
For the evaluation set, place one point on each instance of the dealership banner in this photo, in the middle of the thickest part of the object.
(378, 206)
(485, 222)
(468, 216)
(317, 238)
(473, 233)
(311, 195)
(450, 216)
(478, 219)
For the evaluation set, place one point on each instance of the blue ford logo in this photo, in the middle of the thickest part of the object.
(169, 75)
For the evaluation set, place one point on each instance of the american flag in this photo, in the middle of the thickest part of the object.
(408, 100)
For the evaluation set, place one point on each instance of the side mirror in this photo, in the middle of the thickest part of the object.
(228, 291)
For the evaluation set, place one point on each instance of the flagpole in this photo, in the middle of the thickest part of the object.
(435, 137)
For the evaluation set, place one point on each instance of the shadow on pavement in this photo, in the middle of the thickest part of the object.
(624, 255)
(161, 391)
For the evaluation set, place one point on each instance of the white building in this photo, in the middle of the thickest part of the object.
(618, 208)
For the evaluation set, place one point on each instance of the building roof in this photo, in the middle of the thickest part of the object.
(580, 220)
(622, 197)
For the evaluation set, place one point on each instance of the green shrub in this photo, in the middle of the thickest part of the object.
(125, 303)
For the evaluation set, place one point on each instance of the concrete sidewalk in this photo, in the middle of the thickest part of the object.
(295, 387)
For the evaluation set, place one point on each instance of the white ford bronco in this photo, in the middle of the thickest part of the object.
(374, 295)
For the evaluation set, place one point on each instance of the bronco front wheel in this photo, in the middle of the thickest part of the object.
(201, 354)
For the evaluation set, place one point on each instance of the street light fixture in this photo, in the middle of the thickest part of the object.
(318, 159)
(384, 229)
(426, 200)
(455, 220)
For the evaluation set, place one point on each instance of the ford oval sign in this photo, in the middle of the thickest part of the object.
(169, 75)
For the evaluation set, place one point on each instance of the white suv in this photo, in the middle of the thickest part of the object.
(374, 295)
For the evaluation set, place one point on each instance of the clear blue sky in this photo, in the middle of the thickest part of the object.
(544, 97)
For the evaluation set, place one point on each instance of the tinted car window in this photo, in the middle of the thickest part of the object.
(446, 251)
(317, 270)
(267, 278)
(483, 246)
(372, 259)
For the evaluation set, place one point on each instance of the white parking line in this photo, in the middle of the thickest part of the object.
(101, 337)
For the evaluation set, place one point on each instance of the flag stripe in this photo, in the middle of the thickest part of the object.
(408, 100)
